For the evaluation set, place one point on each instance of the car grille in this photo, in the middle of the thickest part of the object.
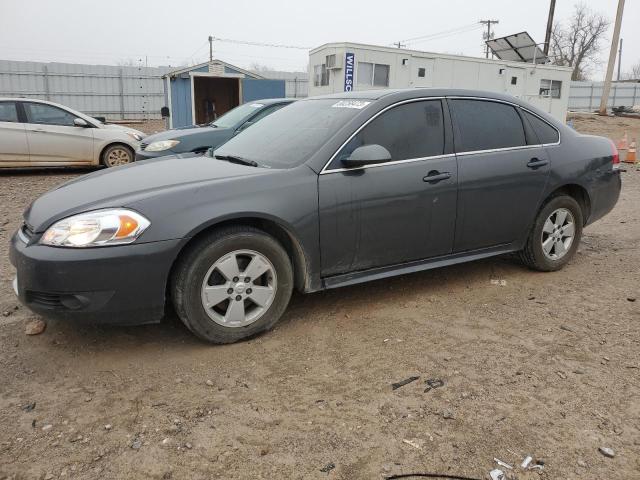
(143, 145)
(48, 300)
(27, 230)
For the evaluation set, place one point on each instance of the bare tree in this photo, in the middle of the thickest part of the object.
(258, 67)
(633, 74)
(578, 42)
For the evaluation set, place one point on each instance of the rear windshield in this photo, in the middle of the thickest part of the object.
(232, 117)
(288, 137)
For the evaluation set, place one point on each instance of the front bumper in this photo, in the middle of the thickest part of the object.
(144, 155)
(122, 285)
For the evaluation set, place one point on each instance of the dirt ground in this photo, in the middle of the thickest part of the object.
(546, 364)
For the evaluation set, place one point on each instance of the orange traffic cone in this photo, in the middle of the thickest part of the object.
(623, 143)
(631, 153)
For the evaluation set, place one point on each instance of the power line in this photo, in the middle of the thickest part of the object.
(442, 34)
(260, 44)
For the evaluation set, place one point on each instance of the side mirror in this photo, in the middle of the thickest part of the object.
(80, 122)
(367, 155)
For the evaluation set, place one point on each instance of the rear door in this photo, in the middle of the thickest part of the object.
(395, 212)
(53, 138)
(502, 173)
(14, 150)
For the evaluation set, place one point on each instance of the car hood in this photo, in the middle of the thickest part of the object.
(122, 128)
(125, 185)
(188, 134)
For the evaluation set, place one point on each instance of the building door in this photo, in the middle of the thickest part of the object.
(515, 82)
(390, 213)
(421, 72)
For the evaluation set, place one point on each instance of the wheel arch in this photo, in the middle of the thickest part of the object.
(579, 194)
(283, 234)
(113, 143)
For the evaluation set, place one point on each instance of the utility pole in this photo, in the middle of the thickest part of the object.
(547, 37)
(612, 59)
(399, 44)
(488, 35)
(210, 49)
(619, 59)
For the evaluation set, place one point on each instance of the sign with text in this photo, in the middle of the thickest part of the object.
(349, 65)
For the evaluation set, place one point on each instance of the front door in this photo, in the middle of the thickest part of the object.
(390, 213)
(502, 174)
(14, 150)
(53, 137)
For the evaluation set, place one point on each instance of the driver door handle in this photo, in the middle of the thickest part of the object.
(435, 177)
(537, 163)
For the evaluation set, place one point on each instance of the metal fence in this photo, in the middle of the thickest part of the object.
(114, 92)
(585, 96)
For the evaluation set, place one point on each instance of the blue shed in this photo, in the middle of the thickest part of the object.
(201, 93)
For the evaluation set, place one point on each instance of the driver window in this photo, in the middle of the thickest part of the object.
(48, 114)
(408, 131)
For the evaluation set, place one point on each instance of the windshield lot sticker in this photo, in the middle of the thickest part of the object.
(359, 104)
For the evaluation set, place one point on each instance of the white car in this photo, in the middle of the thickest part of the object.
(37, 133)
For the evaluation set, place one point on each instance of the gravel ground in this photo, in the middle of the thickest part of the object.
(546, 364)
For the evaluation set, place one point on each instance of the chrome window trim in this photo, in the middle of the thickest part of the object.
(325, 169)
(396, 162)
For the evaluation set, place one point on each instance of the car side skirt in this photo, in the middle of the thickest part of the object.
(354, 278)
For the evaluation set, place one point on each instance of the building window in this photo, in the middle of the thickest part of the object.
(514, 80)
(320, 75)
(422, 72)
(372, 74)
(550, 88)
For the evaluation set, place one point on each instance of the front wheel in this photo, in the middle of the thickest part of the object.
(555, 235)
(117, 155)
(232, 285)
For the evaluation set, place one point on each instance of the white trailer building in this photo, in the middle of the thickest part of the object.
(340, 67)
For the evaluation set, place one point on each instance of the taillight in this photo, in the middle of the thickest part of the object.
(615, 155)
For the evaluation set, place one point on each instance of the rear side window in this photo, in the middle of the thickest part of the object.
(545, 132)
(8, 112)
(485, 125)
(48, 114)
(412, 130)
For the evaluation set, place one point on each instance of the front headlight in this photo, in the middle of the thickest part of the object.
(96, 229)
(135, 136)
(161, 145)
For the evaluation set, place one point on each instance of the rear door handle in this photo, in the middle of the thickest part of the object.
(435, 177)
(537, 163)
(37, 130)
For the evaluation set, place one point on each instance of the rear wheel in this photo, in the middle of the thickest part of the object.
(117, 155)
(555, 235)
(232, 284)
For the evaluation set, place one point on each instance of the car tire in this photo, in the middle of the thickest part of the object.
(204, 274)
(117, 155)
(555, 235)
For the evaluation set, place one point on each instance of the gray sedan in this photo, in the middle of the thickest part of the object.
(330, 191)
(199, 138)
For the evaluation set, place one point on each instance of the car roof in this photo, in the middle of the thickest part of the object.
(409, 93)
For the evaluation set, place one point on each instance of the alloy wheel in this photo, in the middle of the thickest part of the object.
(558, 232)
(118, 156)
(239, 288)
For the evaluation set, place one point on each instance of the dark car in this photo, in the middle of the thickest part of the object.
(327, 192)
(199, 138)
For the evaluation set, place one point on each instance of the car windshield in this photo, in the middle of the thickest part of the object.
(290, 136)
(235, 116)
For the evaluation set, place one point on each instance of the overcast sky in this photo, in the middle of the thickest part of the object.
(175, 33)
